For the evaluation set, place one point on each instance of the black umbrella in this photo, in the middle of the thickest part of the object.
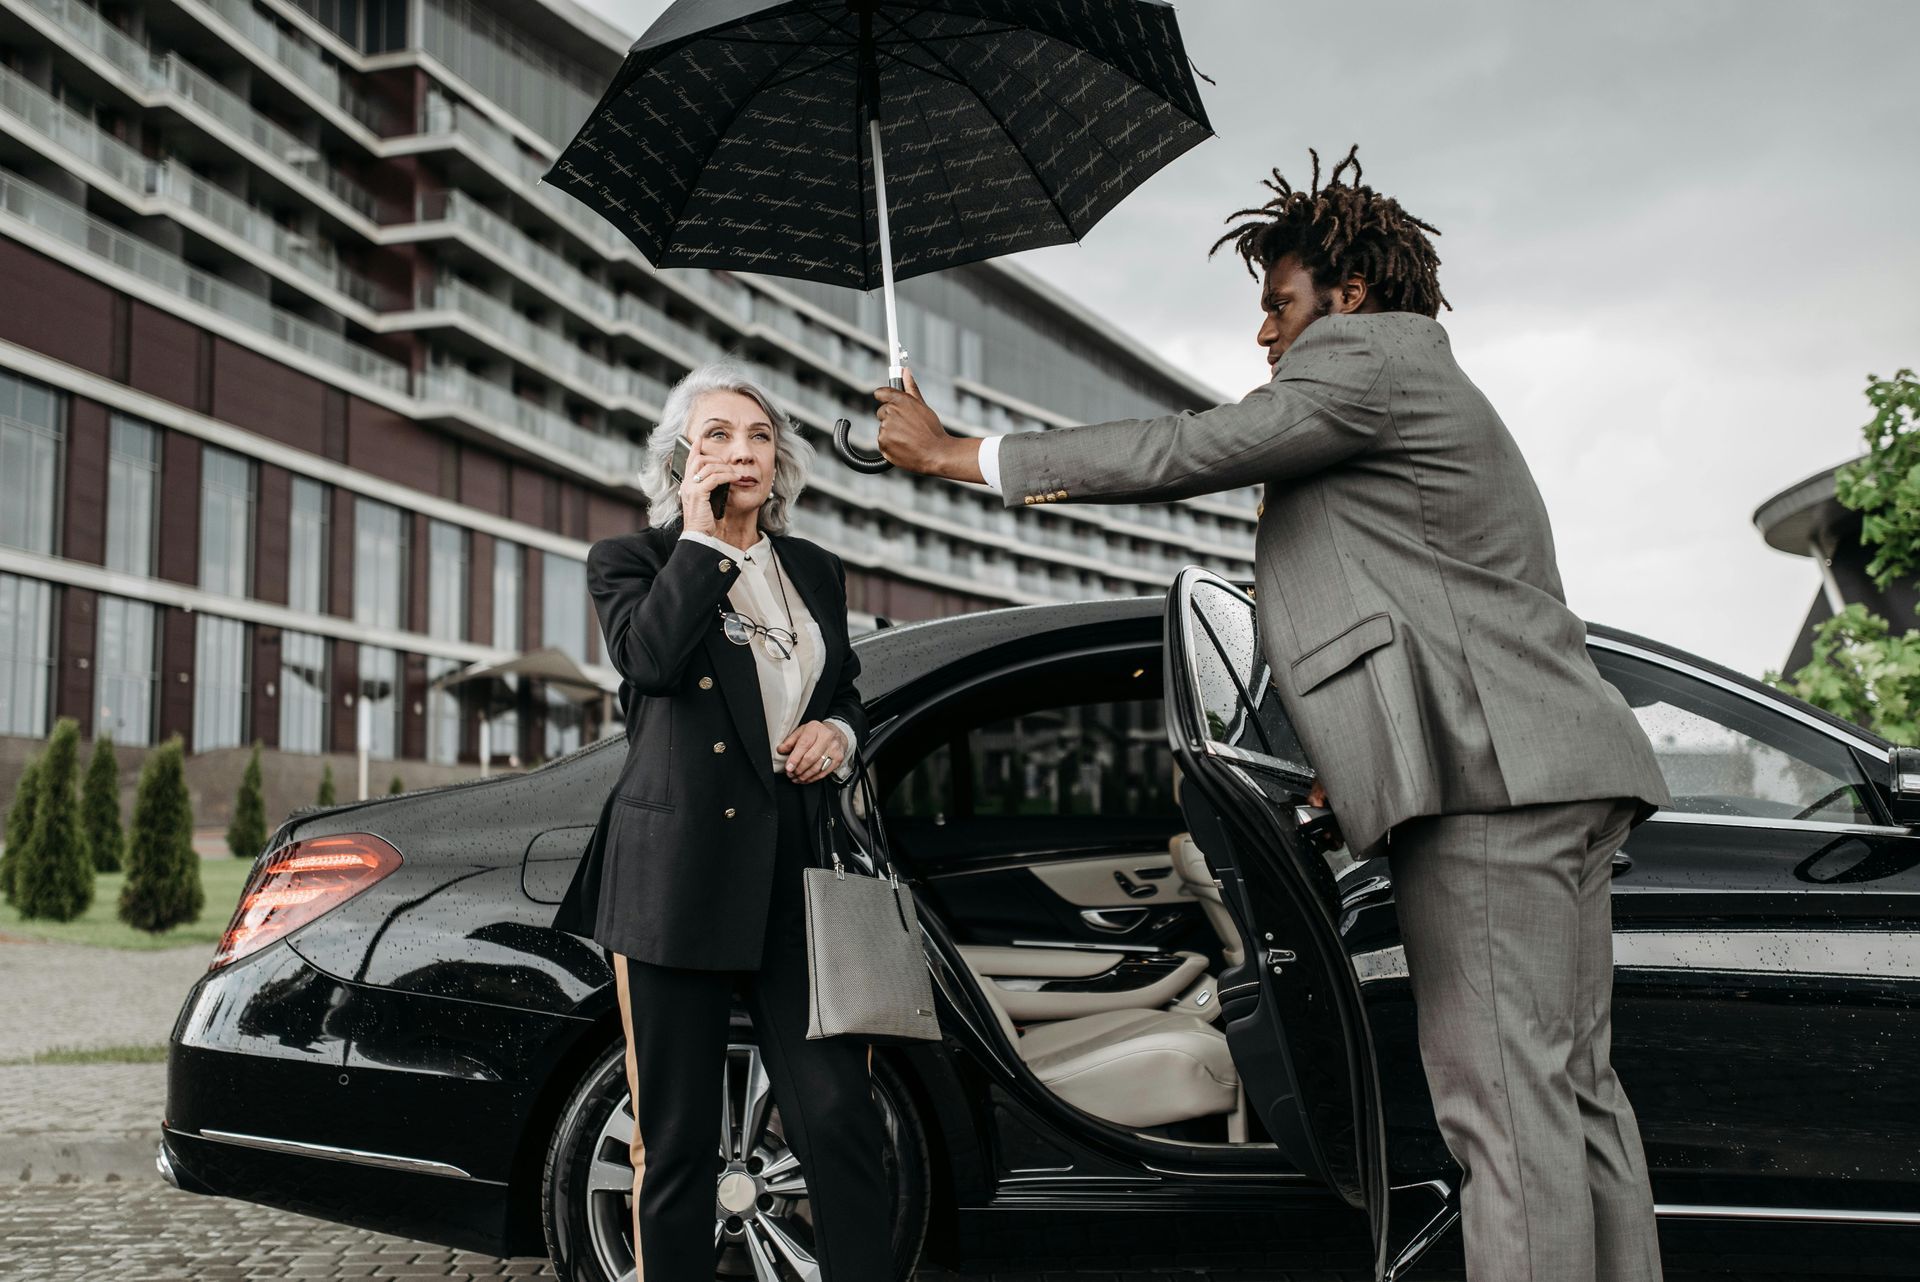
(748, 134)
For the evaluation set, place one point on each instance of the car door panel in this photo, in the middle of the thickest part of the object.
(1292, 1010)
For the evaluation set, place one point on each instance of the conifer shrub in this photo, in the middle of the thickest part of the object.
(248, 831)
(26, 799)
(326, 785)
(163, 873)
(100, 807)
(53, 878)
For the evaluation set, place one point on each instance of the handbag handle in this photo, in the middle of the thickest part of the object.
(879, 845)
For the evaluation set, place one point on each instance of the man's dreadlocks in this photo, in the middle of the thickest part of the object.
(1342, 230)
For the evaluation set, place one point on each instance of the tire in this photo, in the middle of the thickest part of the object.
(586, 1198)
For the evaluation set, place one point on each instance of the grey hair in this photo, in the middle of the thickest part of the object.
(792, 452)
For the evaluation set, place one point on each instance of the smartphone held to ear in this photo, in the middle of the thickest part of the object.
(678, 467)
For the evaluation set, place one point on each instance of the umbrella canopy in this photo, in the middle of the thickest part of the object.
(740, 134)
(551, 666)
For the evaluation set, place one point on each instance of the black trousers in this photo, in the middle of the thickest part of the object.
(676, 1026)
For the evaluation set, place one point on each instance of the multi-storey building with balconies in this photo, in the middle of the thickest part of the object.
(311, 393)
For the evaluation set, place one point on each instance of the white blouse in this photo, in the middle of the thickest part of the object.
(785, 684)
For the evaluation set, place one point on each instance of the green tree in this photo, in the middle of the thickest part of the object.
(1884, 486)
(326, 784)
(248, 831)
(1861, 671)
(1861, 668)
(163, 871)
(397, 787)
(100, 807)
(26, 799)
(53, 878)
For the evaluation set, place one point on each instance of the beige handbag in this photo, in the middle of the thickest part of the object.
(867, 975)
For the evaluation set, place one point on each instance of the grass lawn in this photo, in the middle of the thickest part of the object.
(99, 927)
(96, 1055)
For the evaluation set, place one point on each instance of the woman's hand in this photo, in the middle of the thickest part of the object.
(807, 745)
(704, 475)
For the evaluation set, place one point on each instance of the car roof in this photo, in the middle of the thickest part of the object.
(893, 657)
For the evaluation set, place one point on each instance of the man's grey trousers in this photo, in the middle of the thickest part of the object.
(1507, 922)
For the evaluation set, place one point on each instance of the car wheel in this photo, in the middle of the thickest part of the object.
(587, 1189)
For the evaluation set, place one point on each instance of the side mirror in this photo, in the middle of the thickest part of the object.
(1903, 795)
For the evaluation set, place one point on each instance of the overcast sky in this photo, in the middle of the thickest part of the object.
(1677, 237)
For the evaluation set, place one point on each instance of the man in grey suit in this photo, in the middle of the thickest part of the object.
(1411, 608)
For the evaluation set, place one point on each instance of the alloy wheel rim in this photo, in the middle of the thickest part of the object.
(763, 1217)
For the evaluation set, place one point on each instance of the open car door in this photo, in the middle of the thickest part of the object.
(1292, 1010)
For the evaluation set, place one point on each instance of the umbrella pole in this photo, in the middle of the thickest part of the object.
(896, 359)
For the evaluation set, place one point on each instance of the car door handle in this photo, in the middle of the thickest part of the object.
(1116, 921)
(1622, 861)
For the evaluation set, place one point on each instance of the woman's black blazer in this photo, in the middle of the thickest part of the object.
(680, 867)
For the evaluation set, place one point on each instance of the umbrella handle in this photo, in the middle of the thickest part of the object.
(852, 455)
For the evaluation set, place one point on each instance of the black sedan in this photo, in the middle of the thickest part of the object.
(1174, 1018)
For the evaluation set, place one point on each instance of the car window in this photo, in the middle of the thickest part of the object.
(1106, 758)
(1726, 754)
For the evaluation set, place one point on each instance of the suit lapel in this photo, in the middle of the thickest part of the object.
(739, 682)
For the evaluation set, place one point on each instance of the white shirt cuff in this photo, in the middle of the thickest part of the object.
(711, 542)
(844, 770)
(990, 462)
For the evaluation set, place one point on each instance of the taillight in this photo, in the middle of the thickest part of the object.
(297, 883)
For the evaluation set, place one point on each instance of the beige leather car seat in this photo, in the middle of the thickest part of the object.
(1191, 867)
(1131, 1067)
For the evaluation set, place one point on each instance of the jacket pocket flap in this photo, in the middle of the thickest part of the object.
(1341, 652)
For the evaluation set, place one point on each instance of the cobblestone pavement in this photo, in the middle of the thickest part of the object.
(139, 1230)
(64, 996)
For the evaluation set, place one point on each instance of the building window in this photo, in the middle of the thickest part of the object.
(32, 430)
(380, 700)
(503, 727)
(220, 684)
(307, 546)
(563, 625)
(447, 621)
(226, 521)
(303, 692)
(124, 662)
(133, 486)
(443, 713)
(506, 595)
(379, 565)
(26, 655)
(446, 581)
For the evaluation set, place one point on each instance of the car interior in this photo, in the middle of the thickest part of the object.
(1040, 813)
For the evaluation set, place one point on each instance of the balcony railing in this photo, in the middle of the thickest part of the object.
(307, 65)
(566, 283)
(149, 73)
(547, 345)
(81, 230)
(314, 259)
(71, 132)
(453, 385)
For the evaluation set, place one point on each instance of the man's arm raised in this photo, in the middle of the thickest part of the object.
(1326, 403)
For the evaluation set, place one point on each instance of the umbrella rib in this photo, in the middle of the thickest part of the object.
(980, 98)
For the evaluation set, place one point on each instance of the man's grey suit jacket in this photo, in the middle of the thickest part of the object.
(1409, 601)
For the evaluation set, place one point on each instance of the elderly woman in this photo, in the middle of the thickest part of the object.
(731, 638)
